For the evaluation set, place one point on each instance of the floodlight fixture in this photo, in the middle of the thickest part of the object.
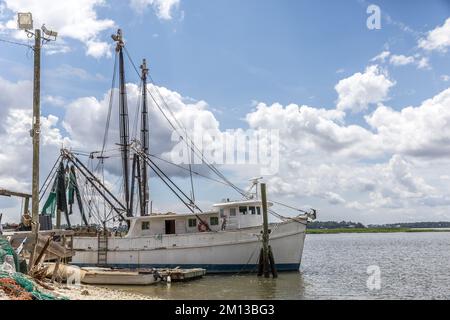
(25, 20)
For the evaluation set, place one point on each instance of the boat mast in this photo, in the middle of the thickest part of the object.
(144, 141)
(123, 123)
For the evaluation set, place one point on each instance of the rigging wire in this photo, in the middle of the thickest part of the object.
(186, 139)
(192, 180)
(138, 110)
(111, 101)
(194, 148)
(150, 162)
(186, 169)
(288, 206)
(49, 178)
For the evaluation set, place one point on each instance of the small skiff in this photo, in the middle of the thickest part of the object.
(106, 276)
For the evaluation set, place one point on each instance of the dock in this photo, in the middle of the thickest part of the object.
(111, 276)
(180, 275)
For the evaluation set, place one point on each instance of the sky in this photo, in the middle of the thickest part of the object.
(362, 114)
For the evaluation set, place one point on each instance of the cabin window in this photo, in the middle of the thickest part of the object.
(252, 210)
(146, 225)
(214, 221)
(243, 210)
(233, 212)
(222, 212)
(192, 223)
(258, 210)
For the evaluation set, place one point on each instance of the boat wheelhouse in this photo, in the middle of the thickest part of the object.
(229, 215)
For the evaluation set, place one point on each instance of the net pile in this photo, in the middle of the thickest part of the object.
(19, 286)
(16, 285)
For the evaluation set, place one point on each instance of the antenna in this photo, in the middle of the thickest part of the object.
(255, 182)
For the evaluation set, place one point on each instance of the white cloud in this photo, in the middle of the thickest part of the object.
(67, 71)
(15, 95)
(163, 8)
(401, 60)
(360, 90)
(390, 170)
(418, 131)
(16, 151)
(84, 124)
(445, 78)
(75, 19)
(423, 63)
(85, 120)
(396, 165)
(2, 10)
(56, 101)
(98, 49)
(437, 39)
(381, 57)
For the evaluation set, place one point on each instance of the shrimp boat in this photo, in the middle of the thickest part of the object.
(181, 240)
(226, 238)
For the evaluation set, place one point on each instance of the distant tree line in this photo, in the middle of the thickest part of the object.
(335, 225)
(412, 225)
(359, 225)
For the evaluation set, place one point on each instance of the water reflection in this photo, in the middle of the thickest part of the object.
(220, 287)
(413, 266)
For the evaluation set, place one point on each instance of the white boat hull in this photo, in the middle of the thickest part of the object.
(217, 252)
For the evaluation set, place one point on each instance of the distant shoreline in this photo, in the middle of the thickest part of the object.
(372, 230)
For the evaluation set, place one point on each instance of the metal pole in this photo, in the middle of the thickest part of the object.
(144, 139)
(124, 123)
(35, 133)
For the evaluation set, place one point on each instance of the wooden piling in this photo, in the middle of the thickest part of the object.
(58, 219)
(273, 267)
(266, 259)
(261, 262)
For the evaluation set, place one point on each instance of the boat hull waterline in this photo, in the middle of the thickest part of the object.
(217, 252)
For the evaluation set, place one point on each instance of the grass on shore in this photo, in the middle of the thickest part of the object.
(371, 230)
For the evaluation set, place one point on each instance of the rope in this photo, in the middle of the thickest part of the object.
(248, 262)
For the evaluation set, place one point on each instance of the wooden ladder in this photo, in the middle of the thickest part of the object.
(102, 252)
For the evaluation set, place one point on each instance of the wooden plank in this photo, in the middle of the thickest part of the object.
(8, 193)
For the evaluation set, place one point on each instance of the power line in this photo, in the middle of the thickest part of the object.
(16, 43)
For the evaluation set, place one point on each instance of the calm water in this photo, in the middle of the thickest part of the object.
(413, 266)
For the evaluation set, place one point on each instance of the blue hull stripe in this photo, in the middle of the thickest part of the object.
(210, 268)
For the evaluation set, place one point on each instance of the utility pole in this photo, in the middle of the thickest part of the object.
(35, 131)
(25, 22)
